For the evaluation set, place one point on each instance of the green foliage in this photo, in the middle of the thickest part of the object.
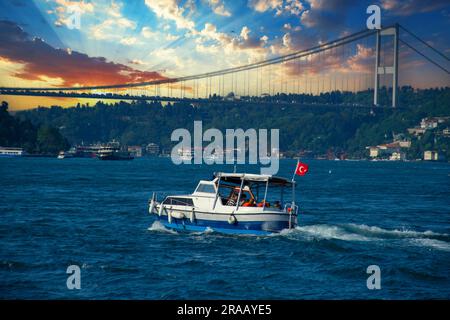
(319, 125)
(15, 132)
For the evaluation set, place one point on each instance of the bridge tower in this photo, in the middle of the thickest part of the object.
(393, 70)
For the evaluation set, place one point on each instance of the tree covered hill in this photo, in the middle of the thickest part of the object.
(318, 127)
(35, 139)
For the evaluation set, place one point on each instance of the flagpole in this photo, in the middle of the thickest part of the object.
(295, 170)
(293, 184)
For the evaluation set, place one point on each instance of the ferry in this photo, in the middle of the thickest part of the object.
(233, 203)
(113, 153)
(11, 152)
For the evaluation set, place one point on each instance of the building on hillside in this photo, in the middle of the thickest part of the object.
(416, 131)
(152, 149)
(391, 151)
(135, 151)
(432, 122)
(397, 156)
(431, 156)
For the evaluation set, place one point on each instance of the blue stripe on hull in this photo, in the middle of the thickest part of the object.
(254, 227)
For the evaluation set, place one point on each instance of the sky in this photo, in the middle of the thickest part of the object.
(131, 41)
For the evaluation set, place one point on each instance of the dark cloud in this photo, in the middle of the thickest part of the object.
(327, 15)
(410, 7)
(41, 59)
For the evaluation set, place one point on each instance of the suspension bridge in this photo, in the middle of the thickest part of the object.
(364, 61)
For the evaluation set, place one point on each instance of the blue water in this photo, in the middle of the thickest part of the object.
(55, 213)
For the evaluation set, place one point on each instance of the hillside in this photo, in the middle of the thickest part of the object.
(317, 127)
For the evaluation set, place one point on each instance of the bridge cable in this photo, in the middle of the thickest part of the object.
(423, 55)
(425, 43)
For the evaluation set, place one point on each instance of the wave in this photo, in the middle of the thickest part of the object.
(365, 233)
(346, 232)
(328, 232)
(433, 243)
(159, 227)
(395, 233)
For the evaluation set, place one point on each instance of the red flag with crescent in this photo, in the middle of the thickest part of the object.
(302, 169)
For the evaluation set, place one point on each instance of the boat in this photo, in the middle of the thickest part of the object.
(233, 203)
(113, 153)
(185, 155)
(8, 152)
(64, 155)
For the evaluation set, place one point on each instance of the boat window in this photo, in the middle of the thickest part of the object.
(275, 196)
(179, 201)
(208, 188)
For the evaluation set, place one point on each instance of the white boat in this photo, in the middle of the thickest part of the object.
(231, 203)
(11, 152)
(185, 154)
(64, 155)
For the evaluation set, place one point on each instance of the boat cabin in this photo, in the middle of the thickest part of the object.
(240, 190)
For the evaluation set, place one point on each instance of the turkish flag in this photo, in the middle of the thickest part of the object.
(302, 169)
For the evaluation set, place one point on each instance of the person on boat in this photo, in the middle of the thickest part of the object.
(232, 200)
(263, 203)
(243, 199)
(249, 203)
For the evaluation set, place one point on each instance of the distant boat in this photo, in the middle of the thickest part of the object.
(64, 155)
(113, 153)
(185, 155)
(7, 152)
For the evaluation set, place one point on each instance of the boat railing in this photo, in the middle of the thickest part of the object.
(293, 208)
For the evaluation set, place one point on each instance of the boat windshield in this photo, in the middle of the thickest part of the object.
(253, 194)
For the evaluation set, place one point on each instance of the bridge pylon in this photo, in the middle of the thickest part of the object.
(392, 70)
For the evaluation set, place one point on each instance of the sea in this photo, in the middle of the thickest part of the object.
(354, 215)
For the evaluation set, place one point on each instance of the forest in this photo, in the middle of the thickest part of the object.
(317, 124)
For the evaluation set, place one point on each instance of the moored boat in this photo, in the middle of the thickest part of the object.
(10, 152)
(64, 155)
(113, 152)
(236, 203)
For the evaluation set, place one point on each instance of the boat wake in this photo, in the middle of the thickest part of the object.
(362, 232)
(159, 227)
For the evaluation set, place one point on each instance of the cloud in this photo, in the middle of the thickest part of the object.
(245, 33)
(39, 61)
(64, 8)
(148, 33)
(218, 7)
(252, 48)
(362, 60)
(169, 10)
(265, 5)
(410, 7)
(326, 15)
(113, 26)
(129, 41)
(293, 7)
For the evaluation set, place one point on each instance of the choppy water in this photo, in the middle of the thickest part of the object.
(54, 213)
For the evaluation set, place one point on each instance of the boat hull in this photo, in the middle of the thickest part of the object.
(115, 158)
(253, 227)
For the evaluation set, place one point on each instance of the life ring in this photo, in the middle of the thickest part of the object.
(232, 219)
